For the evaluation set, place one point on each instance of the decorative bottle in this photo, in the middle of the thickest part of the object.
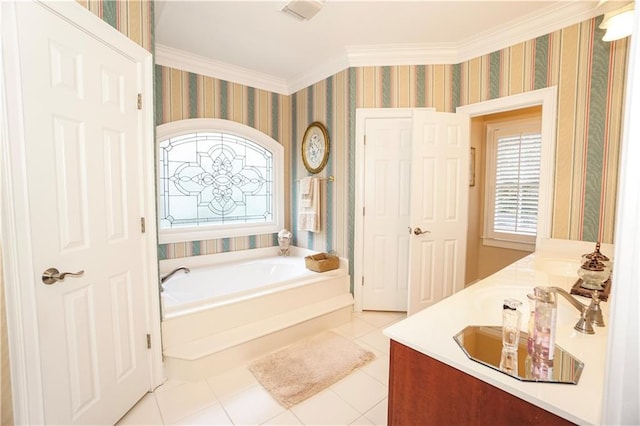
(544, 332)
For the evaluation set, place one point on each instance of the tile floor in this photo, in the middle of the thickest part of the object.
(236, 397)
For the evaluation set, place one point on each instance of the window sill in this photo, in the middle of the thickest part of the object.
(509, 244)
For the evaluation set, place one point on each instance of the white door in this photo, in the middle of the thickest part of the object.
(387, 182)
(85, 183)
(439, 204)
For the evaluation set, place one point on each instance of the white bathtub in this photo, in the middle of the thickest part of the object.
(232, 307)
(223, 278)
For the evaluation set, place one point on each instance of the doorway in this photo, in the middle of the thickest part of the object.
(546, 99)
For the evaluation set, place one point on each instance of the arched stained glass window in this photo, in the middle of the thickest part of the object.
(217, 178)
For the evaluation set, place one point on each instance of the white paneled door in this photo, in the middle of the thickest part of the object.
(439, 207)
(387, 185)
(414, 192)
(85, 182)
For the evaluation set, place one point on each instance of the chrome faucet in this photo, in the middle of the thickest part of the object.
(170, 274)
(589, 315)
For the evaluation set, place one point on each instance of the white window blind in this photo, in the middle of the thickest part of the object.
(512, 184)
(517, 183)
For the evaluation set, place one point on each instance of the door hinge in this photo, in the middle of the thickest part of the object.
(363, 211)
(148, 341)
(365, 139)
(139, 100)
(362, 281)
(143, 226)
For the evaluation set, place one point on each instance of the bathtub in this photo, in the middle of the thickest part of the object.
(223, 278)
(235, 306)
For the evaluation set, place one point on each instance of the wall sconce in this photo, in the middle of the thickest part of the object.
(618, 23)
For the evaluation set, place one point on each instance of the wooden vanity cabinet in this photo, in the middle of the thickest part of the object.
(424, 391)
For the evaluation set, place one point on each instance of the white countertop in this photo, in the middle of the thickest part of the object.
(554, 263)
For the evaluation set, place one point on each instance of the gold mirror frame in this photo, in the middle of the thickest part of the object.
(325, 158)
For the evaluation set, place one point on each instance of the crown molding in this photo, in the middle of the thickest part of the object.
(319, 73)
(182, 60)
(402, 54)
(555, 17)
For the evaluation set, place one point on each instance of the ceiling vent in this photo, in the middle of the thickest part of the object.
(303, 10)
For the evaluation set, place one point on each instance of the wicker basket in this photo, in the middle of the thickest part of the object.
(322, 262)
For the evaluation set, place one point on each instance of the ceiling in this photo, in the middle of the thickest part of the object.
(254, 43)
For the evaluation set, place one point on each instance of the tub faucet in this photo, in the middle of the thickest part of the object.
(589, 315)
(170, 274)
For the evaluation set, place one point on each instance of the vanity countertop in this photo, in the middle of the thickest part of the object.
(554, 263)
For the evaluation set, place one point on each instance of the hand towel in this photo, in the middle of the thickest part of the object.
(306, 191)
(309, 217)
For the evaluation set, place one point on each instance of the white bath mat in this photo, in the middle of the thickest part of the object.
(301, 370)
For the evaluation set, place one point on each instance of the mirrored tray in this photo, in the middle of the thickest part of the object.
(483, 344)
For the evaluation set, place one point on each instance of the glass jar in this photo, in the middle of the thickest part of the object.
(593, 273)
(511, 319)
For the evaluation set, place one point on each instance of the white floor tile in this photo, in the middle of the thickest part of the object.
(325, 408)
(360, 390)
(362, 421)
(376, 339)
(145, 412)
(251, 406)
(378, 414)
(236, 397)
(380, 318)
(379, 369)
(284, 419)
(232, 382)
(212, 415)
(355, 328)
(183, 400)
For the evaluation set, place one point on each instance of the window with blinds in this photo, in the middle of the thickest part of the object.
(513, 177)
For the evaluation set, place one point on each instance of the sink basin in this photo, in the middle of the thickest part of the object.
(558, 267)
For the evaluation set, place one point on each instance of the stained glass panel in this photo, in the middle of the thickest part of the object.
(211, 178)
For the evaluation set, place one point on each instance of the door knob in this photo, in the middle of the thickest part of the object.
(418, 231)
(52, 275)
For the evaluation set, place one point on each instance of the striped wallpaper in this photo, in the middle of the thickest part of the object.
(133, 18)
(589, 73)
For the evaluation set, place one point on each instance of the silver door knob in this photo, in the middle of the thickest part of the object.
(52, 275)
(418, 231)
